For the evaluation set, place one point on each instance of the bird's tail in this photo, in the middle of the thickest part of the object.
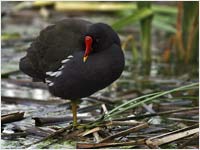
(27, 67)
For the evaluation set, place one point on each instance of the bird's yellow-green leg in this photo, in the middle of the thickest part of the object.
(74, 112)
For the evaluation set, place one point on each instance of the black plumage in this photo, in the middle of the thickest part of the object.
(56, 57)
(54, 44)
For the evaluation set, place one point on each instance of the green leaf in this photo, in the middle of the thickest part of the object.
(135, 17)
(164, 9)
(164, 26)
(145, 32)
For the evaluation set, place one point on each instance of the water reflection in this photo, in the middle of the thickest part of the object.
(12, 90)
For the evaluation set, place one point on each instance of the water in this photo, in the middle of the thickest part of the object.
(137, 78)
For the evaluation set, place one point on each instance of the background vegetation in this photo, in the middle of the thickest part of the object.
(154, 104)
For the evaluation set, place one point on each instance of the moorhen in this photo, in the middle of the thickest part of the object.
(75, 58)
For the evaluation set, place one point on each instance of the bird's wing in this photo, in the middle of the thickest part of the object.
(54, 44)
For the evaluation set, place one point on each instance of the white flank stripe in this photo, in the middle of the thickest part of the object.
(49, 73)
(51, 84)
(62, 67)
(54, 73)
(47, 81)
(70, 56)
(65, 60)
(58, 73)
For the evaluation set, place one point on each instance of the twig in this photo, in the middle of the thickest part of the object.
(96, 129)
(101, 145)
(97, 137)
(125, 132)
(184, 120)
(149, 108)
(172, 136)
(157, 114)
(104, 108)
(176, 131)
(12, 117)
(123, 123)
(50, 136)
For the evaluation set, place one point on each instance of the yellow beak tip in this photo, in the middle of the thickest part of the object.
(85, 58)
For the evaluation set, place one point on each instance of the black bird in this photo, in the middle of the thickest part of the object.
(75, 58)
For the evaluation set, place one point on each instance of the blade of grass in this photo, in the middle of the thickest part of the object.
(163, 26)
(135, 17)
(190, 10)
(166, 23)
(145, 30)
(140, 103)
(192, 47)
(164, 9)
(131, 101)
(116, 110)
(169, 19)
(139, 98)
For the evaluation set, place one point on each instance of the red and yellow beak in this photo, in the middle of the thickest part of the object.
(88, 47)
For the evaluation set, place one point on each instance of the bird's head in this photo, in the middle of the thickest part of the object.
(99, 37)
